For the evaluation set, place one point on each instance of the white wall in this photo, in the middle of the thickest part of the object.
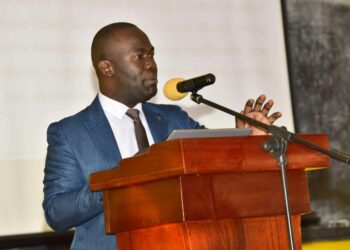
(46, 74)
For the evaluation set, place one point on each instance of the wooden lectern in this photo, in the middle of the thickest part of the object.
(207, 193)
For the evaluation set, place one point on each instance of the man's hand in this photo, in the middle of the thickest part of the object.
(259, 111)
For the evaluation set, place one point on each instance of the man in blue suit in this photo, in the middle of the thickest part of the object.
(98, 137)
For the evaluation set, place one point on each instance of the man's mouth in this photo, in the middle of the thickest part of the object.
(151, 81)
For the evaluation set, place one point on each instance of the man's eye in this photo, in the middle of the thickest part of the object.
(139, 57)
(143, 56)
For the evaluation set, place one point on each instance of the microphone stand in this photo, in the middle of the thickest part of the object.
(277, 147)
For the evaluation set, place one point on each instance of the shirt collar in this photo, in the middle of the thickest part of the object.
(115, 108)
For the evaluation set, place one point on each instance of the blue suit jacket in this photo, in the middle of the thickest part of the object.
(80, 145)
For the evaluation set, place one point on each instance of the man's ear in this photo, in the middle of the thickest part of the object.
(106, 68)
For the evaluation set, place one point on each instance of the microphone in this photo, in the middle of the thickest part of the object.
(178, 88)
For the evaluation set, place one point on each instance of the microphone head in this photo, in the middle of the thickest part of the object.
(170, 89)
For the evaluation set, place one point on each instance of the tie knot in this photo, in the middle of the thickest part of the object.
(133, 114)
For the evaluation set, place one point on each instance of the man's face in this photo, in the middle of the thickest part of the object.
(135, 70)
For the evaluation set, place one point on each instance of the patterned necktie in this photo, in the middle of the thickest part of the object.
(140, 132)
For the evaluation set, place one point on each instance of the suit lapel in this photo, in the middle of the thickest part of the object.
(101, 132)
(156, 122)
(99, 129)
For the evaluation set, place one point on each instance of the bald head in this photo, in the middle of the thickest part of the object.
(104, 37)
(123, 58)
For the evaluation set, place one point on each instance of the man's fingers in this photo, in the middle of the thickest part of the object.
(259, 102)
(267, 107)
(258, 110)
(239, 123)
(272, 118)
(248, 106)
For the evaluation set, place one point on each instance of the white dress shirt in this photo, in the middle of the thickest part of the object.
(123, 126)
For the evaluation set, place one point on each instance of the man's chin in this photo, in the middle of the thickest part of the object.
(151, 94)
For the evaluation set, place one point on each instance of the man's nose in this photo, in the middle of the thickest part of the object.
(151, 64)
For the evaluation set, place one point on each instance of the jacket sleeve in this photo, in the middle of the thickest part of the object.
(68, 202)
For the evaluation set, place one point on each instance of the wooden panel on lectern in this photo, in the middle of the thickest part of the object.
(207, 194)
(259, 233)
(203, 197)
(207, 155)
